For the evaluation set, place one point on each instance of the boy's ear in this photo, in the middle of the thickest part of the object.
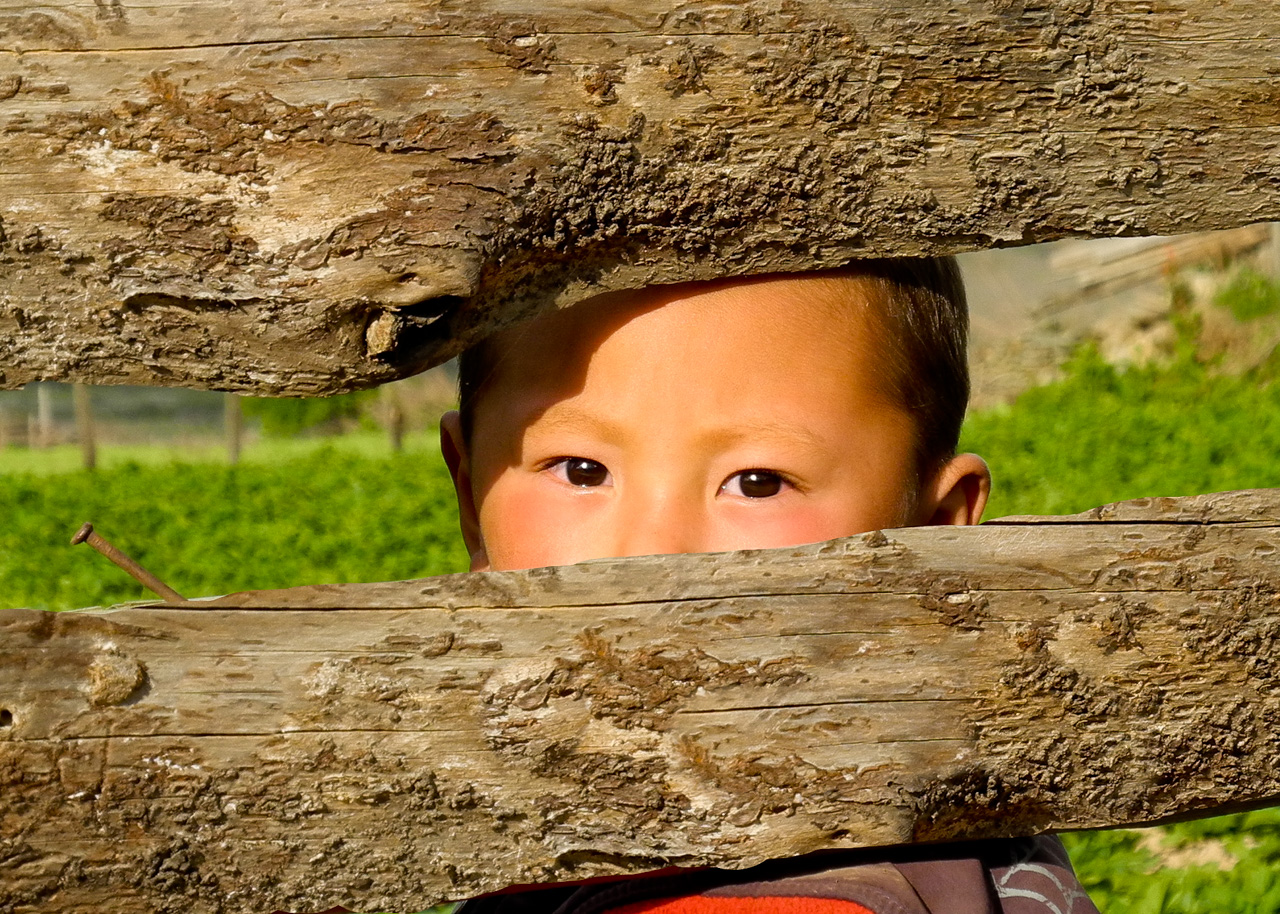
(957, 493)
(454, 448)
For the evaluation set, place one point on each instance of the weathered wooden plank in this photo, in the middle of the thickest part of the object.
(308, 197)
(1246, 506)
(390, 745)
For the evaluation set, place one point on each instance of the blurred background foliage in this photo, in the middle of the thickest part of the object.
(283, 417)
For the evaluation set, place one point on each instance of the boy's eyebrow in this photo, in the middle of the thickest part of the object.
(782, 431)
(572, 417)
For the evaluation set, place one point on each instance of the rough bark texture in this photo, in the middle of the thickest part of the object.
(385, 746)
(312, 196)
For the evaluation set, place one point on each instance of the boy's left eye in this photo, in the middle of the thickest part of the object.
(753, 484)
(582, 472)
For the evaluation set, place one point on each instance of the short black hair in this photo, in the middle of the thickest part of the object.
(923, 318)
(922, 323)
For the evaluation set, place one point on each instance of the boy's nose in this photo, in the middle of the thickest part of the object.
(658, 526)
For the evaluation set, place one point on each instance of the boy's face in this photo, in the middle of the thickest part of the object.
(697, 418)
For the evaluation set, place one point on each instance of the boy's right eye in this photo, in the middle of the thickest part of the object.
(582, 472)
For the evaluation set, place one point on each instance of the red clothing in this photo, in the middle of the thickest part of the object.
(702, 904)
(1019, 876)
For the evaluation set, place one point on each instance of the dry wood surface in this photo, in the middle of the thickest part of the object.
(389, 745)
(309, 196)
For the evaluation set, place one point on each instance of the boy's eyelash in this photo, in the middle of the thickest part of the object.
(567, 461)
(555, 461)
(787, 479)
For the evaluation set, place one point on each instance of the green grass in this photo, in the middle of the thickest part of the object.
(1102, 435)
(67, 458)
(1249, 295)
(1240, 876)
(321, 514)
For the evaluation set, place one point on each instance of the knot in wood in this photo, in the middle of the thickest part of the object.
(114, 679)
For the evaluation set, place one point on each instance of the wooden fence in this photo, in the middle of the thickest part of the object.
(386, 746)
(317, 197)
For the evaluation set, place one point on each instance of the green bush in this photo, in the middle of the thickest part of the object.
(287, 416)
(1102, 434)
(1249, 295)
(211, 529)
(1122, 874)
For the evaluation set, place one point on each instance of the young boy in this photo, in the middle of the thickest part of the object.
(738, 414)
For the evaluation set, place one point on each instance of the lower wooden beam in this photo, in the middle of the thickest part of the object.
(386, 746)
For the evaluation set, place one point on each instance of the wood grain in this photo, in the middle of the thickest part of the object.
(309, 197)
(386, 746)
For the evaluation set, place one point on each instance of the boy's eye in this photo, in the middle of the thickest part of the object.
(581, 471)
(753, 484)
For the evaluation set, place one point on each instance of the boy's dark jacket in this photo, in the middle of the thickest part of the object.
(1020, 876)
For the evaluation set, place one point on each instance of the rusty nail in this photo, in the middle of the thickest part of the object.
(148, 580)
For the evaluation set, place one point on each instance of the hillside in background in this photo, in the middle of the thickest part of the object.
(1031, 307)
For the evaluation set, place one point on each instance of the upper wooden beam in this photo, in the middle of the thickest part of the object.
(314, 197)
(385, 746)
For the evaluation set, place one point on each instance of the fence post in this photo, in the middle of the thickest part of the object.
(233, 423)
(44, 430)
(393, 416)
(82, 400)
(686, 151)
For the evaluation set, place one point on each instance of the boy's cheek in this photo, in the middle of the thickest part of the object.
(523, 528)
(793, 525)
(531, 532)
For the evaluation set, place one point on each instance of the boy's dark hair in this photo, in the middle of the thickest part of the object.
(922, 320)
(924, 328)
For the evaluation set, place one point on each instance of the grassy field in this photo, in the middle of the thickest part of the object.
(293, 512)
(267, 451)
(348, 510)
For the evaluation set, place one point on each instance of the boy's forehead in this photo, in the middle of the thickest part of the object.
(812, 303)
(768, 339)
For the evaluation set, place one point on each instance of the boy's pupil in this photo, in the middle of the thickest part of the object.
(584, 472)
(760, 484)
